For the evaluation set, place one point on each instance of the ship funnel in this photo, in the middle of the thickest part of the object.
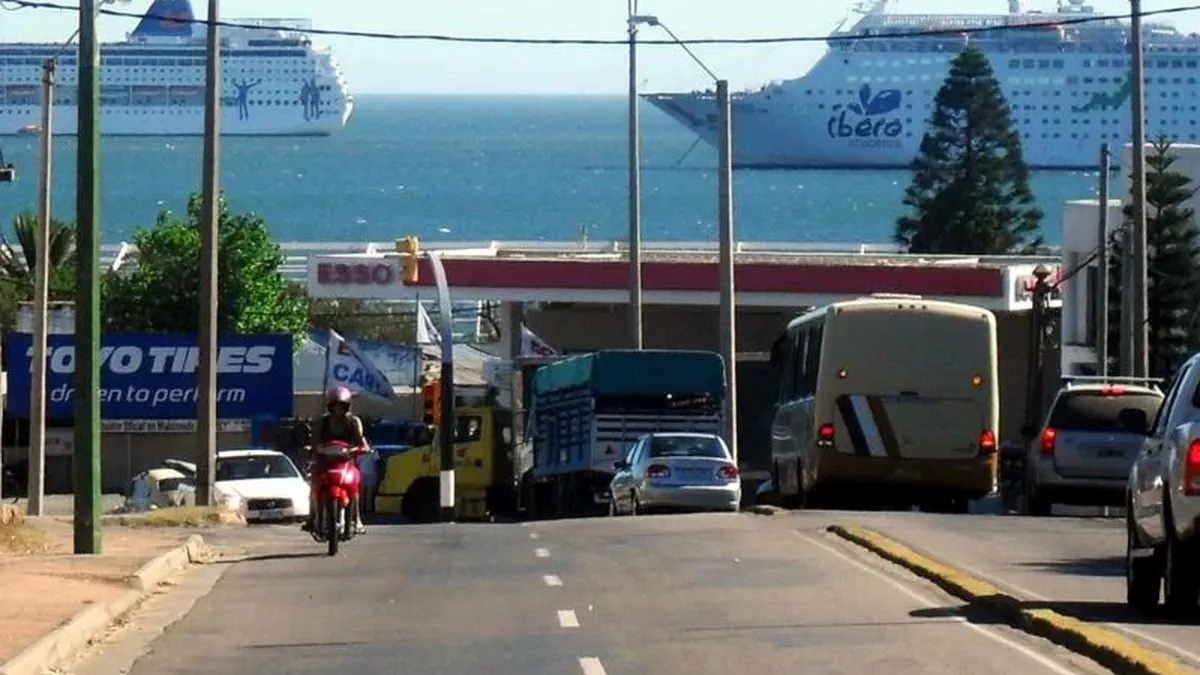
(167, 18)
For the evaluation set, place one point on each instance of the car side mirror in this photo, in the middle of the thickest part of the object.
(620, 465)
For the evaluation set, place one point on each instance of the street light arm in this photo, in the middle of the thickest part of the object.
(685, 48)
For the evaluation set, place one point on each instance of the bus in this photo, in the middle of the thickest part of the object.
(887, 401)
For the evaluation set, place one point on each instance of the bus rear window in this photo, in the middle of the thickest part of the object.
(1092, 411)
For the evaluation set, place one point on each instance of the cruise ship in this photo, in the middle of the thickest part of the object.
(866, 102)
(275, 81)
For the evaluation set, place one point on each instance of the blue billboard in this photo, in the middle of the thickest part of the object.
(153, 377)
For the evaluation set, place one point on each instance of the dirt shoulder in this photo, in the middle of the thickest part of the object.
(45, 585)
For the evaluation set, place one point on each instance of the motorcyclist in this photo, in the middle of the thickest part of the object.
(337, 424)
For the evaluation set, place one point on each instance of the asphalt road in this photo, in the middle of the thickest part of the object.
(1073, 565)
(667, 595)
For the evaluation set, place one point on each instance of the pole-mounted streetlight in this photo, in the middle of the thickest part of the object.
(725, 232)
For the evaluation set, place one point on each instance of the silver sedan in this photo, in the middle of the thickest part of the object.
(676, 471)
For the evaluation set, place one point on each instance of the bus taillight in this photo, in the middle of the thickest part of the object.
(825, 435)
(987, 441)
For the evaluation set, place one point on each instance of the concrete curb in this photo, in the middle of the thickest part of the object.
(70, 638)
(1106, 647)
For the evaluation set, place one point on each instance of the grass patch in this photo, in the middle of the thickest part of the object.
(182, 516)
(22, 539)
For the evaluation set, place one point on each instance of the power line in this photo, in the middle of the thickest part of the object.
(434, 37)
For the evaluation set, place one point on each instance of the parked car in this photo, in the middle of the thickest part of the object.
(1162, 550)
(675, 471)
(1088, 443)
(165, 487)
(267, 481)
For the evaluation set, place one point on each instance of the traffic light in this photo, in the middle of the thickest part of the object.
(409, 249)
(431, 393)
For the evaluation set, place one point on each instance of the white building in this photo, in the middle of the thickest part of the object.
(1080, 241)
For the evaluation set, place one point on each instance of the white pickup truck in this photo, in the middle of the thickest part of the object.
(1163, 503)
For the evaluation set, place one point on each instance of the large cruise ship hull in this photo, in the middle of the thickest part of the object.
(26, 120)
(769, 134)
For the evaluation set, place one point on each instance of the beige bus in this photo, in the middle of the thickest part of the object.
(887, 401)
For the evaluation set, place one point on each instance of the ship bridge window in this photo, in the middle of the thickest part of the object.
(1044, 63)
(1015, 63)
(1027, 63)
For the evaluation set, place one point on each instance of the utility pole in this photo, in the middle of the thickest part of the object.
(87, 317)
(41, 283)
(635, 190)
(1102, 272)
(1141, 357)
(728, 301)
(206, 408)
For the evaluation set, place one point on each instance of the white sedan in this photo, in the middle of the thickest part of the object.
(269, 485)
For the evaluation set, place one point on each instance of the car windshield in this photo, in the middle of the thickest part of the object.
(687, 446)
(1093, 411)
(251, 468)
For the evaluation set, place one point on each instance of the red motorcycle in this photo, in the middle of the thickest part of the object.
(336, 480)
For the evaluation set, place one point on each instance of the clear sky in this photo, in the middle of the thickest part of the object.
(377, 66)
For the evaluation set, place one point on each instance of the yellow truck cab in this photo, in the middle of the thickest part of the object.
(483, 464)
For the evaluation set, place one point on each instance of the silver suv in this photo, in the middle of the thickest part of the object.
(1088, 442)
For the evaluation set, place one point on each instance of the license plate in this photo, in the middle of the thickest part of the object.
(1111, 453)
(271, 513)
(694, 473)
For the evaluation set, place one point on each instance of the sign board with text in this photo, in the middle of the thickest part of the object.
(353, 276)
(153, 377)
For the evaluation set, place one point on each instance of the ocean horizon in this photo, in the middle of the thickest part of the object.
(483, 167)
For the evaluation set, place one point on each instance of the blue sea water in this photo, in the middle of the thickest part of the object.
(473, 168)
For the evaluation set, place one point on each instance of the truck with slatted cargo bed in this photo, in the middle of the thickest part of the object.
(585, 412)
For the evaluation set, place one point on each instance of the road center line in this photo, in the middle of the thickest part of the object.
(552, 580)
(567, 619)
(591, 666)
(542, 552)
(1049, 663)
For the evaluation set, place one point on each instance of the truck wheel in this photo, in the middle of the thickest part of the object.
(1143, 575)
(1182, 582)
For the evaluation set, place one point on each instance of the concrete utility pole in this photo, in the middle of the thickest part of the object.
(1102, 273)
(87, 267)
(1141, 356)
(728, 300)
(41, 290)
(635, 190)
(206, 405)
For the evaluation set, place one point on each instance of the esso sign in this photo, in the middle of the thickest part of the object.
(356, 274)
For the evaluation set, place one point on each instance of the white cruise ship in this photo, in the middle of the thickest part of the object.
(865, 103)
(275, 82)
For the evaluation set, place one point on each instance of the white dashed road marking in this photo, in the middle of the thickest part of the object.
(552, 580)
(533, 535)
(591, 666)
(567, 618)
(542, 553)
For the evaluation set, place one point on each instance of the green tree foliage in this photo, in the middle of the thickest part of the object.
(17, 262)
(162, 293)
(1172, 252)
(970, 187)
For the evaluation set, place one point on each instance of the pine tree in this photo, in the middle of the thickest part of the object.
(970, 187)
(1172, 252)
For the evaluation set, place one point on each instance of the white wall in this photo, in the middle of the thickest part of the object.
(1081, 223)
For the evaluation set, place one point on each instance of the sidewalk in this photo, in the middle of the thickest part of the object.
(42, 585)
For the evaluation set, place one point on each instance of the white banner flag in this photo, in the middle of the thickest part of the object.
(427, 332)
(532, 345)
(345, 367)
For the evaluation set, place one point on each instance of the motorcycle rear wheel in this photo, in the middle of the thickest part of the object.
(332, 520)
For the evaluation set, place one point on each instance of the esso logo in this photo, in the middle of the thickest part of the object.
(355, 274)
